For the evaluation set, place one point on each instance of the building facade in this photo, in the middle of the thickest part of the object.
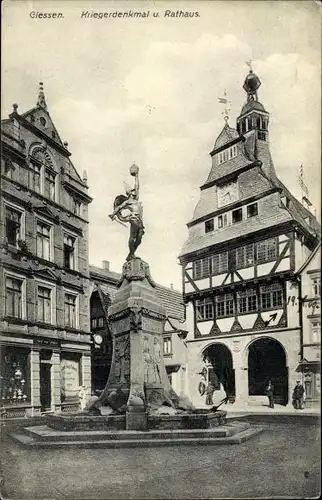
(104, 286)
(309, 368)
(44, 277)
(247, 239)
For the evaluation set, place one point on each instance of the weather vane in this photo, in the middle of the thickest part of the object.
(128, 208)
(227, 103)
(249, 64)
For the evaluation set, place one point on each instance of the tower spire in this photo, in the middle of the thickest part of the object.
(41, 102)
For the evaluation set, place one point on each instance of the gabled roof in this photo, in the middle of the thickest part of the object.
(310, 258)
(226, 135)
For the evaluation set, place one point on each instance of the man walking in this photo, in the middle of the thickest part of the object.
(270, 394)
(298, 395)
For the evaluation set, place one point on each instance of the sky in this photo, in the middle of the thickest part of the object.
(125, 90)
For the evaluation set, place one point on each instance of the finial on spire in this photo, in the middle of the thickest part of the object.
(15, 107)
(41, 102)
(249, 64)
(85, 176)
(227, 103)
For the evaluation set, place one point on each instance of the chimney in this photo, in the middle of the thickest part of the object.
(171, 286)
(106, 265)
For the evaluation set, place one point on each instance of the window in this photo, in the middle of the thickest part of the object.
(70, 310)
(261, 135)
(228, 154)
(237, 215)
(201, 268)
(13, 225)
(247, 301)
(271, 296)
(317, 287)
(94, 323)
(316, 332)
(44, 304)
(225, 305)
(167, 345)
(76, 206)
(42, 121)
(244, 256)
(43, 241)
(249, 123)
(205, 308)
(266, 250)
(15, 375)
(50, 184)
(35, 177)
(219, 263)
(100, 322)
(69, 252)
(252, 210)
(209, 225)
(8, 167)
(14, 297)
(222, 221)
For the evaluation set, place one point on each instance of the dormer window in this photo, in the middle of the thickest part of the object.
(252, 210)
(237, 215)
(209, 225)
(226, 155)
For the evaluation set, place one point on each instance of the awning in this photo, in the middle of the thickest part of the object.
(305, 365)
(172, 368)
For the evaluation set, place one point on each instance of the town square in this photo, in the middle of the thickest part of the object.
(160, 329)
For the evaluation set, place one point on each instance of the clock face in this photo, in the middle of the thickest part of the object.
(227, 194)
(98, 339)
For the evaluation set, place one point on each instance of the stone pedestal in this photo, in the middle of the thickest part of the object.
(138, 383)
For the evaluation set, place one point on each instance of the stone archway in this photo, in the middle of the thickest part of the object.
(267, 361)
(219, 360)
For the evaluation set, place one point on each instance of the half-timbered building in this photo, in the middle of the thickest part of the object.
(247, 238)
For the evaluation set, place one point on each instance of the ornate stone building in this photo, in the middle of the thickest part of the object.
(44, 276)
(247, 238)
(104, 286)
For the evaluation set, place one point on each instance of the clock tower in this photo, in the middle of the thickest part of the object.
(247, 238)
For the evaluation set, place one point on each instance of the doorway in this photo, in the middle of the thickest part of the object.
(45, 381)
(267, 361)
(220, 368)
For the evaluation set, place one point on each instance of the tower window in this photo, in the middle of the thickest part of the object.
(209, 225)
(249, 123)
(261, 135)
(252, 210)
(222, 220)
(237, 215)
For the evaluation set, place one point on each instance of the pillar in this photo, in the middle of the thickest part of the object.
(55, 381)
(241, 385)
(86, 373)
(35, 381)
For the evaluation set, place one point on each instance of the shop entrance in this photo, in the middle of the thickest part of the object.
(45, 380)
(267, 361)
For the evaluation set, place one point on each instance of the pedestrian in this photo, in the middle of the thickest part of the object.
(298, 396)
(209, 393)
(270, 394)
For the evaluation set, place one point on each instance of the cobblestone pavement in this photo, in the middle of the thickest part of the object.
(282, 461)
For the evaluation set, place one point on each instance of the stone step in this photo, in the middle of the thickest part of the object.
(237, 438)
(45, 433)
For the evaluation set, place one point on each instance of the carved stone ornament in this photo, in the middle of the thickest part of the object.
(136, 318)
(136, 270)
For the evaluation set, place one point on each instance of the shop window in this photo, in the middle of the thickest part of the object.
(201, 268)
(225, 305)
(70, 377)
(237, 215)
(209, 225)
(219, 263)
(70, 310)
(167, 345)
(266, 250)
(69, 251)
(14, 289)
(271, 296)
(43, 240)
(100, 322)
(247, 301)
(50, 182)
(14, 375)
(252, 210)
(44, 304)
(13, 225)
(244, 256)
(94, 323)
(205, 308)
